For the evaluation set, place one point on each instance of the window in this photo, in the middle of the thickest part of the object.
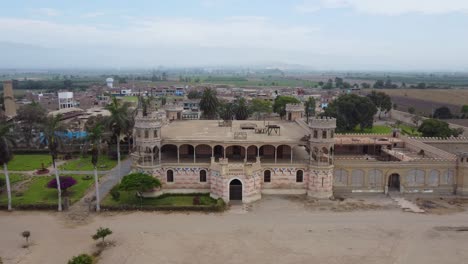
(315, 134)
(299, 176)
(375, 178)
(267, 176)
(324, 134)
(170, 176)
(332, 134)
(434, 178)
(146, 134)
(203, 176)
(447, 177)
(357, 178)
(138, 133)
(415, 178)
(155, 135)
(340, 177)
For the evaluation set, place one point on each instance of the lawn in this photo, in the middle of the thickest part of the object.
(373, 130)
(29, 162)
(38, 194)
(130, 198)
(408, 130)
(84, 164)
(14, 177)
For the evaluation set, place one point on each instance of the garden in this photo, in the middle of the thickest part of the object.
(84, 164)
(39, 192)
(128, 196)
(29, 162)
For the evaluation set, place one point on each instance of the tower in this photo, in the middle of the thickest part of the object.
(9, 99)
(110, 82)
(321, 145)
(294, 111)
(462, 173)
(147, 138)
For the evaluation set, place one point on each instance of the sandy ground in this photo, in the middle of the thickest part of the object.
(274, 230)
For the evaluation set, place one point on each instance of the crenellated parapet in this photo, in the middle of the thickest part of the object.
(322, 122)
(295, 107)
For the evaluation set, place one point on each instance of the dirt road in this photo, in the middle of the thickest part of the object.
(274, 230)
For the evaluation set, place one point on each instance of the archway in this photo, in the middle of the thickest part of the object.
(235, 190)
(394, 182)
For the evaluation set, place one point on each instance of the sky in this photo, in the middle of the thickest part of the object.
(349, 35)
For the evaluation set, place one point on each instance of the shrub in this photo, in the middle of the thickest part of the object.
(26, 234)
(2, 182)
(65, 183)
(196, 200)
(101, 233)
(115, 193)
(86, 177)
(140, 182)
(81, 259)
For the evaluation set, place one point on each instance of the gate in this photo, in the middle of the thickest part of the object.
(235, 190)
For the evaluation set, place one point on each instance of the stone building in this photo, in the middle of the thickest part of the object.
(9, 99)
(241, 160)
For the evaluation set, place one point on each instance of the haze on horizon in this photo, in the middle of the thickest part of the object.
(318, 34)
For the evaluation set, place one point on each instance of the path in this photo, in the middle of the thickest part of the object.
(80, 210)
(404, 204)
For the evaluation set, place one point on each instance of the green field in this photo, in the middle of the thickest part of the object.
(374, 130)
(84, 164)
(37, 192)
(14, 177)
(29, 162)
(130, 198)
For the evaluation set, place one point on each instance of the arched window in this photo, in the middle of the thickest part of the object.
(267, 176)
(299, 176)
(203, 176)
(170, 176)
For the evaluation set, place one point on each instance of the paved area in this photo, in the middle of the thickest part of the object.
(274, 230)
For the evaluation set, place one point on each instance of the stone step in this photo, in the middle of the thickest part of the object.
(406, 205)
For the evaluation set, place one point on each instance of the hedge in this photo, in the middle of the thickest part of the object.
(218, 207)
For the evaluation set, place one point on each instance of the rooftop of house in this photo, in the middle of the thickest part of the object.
(246, 131)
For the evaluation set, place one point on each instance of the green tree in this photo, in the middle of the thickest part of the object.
(379, 84)
(194, 94)
(411, 110)
(81, 259)
(328, 85)
(279, 106)
(464, 110)
(309, 107)
(31, 117)
(260, 107)
(351, 110)
(51, 129)
(421, 86)
(139, 182)
(443, 113)
(338, 82)
(241, 109)
(209, 103)
(226, 111)
(7, 140)
(365, 85)
(381, 100)
(94, 138)
(118, 122)
(102, 233)
(437, 128)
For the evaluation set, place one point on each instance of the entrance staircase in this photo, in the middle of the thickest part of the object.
(404, 204)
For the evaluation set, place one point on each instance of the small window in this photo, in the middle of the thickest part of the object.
(315, 134)
(299, 176)
(138, 133)
(155, 135)
(332, 134)
(146, 134)
(170, 176)
(324, 134)
(267, 176)
(203, 176)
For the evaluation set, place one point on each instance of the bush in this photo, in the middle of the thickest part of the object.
(101, 233)
(81, 259)
(115, 193)
(65, 183)
(2, 182)
(196, 200)
(86, 177)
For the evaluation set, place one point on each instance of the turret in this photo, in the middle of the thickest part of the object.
(294, 111)
(322, 140)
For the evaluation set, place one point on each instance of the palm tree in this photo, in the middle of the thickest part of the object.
(309, 108)
(52, 125)
(94, 137)
(6, 141)
(209, 103)
(242, 110)
(118, 122)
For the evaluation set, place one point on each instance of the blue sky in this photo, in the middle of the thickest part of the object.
(320, 34)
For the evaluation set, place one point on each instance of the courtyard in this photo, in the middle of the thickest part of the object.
(276, 229)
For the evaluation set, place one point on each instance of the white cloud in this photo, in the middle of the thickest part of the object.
(93, 14)
(387, 7)
(47, 12)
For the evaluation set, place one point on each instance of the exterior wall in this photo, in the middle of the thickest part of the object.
(320, 184)
(284, 178)
(187, 177)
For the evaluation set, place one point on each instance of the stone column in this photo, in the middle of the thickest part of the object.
(194, 155)
(245, 158)
(276, 150)
(291, 154)
(178, 155)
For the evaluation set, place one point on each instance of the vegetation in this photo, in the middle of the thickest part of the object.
(81, 259)
(260, 107)
(165, 200)
(437, 128)
(26, 234)
(139, 182)
(442, 113)
(36, 192)
(85, 164)
(381, 100)
(279, 106)
(241, 109)
(309, 107)
(350, 111)
(31, 116)
(209, 104)
(226, 111)
(6, 154)
(101, 233)
(94, 137)
(373, 130)
(29, 162)
(65, 183)
(53, 125)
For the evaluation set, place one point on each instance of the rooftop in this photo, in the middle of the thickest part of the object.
(209, 130)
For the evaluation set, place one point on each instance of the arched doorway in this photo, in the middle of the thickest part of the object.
(394, 182)
(235, 190)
